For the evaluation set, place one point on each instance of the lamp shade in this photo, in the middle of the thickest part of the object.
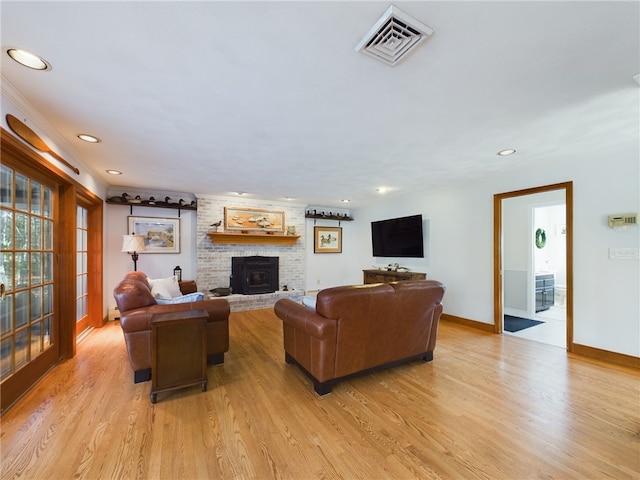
(133, 243)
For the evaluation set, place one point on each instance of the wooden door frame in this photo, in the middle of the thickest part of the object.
(498, 294)
(70, 189)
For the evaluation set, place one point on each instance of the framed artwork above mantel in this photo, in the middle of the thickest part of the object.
(239, 219)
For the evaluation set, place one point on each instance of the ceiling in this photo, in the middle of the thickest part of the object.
(271, 99)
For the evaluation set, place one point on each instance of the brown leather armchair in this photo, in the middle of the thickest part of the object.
(137, 305)
(358, 329)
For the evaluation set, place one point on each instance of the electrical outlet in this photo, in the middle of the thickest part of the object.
(619, 253)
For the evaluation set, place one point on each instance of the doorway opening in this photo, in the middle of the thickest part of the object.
(533, 282)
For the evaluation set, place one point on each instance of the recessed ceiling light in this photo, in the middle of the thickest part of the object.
(289, 198)
(508, 151)
(240, 193)
(345, 200)
(114, 172)
(381, 189)
(28, 59)
(88, 138)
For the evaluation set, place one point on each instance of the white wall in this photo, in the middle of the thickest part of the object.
(460, 244)
(155, 265)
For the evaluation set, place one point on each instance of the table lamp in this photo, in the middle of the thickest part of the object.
(133, 244)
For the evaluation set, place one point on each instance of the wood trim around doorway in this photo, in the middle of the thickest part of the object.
(498, 307)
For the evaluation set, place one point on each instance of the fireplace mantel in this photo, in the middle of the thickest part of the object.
(250, 238)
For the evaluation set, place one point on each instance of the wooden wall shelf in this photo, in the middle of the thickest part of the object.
(340, 218)
(252, 239)
(154, 205)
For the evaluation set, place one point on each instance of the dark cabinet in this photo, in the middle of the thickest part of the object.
(545, 291)
(386, 276)
(178, 351)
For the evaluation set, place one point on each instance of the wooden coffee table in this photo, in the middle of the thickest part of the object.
(178, 351)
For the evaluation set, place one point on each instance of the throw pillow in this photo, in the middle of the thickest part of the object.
(191, 297)
(165, 287)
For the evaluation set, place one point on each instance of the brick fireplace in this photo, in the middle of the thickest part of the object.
(214, 260)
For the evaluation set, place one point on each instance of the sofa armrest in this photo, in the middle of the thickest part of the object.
(188, 286)
(304, 318)
(137, 320)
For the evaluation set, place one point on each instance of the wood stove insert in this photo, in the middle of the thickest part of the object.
(254, 275)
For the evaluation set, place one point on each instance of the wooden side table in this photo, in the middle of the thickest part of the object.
(178, 351)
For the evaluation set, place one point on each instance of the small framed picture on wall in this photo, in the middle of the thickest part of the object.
(327, 239)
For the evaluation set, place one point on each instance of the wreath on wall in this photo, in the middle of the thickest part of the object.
(541, 238)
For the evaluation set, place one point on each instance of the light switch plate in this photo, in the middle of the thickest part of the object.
(621, 253)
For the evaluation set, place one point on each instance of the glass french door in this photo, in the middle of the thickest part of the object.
(82, 274)
(28, 323)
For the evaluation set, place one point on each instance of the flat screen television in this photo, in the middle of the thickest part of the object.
(398, 237)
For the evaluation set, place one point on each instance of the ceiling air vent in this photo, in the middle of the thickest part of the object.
(393, 36)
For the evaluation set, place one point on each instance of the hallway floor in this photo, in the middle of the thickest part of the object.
(552, 332)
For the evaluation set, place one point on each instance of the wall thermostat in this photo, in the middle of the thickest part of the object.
(623, 219)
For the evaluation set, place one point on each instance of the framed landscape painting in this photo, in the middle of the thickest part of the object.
(327, 239)
(161, 235)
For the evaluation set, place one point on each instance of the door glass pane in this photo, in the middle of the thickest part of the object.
(36, 198)
(6, 186)
(47, 207)
(36, 268)
(36, 304)
(47, 299)
(36, 233)
(22, 345)
(22, 269)
(47, 338)
(22, 193)
(36, 339)
(6, 270)
(22, 308)
(22, 231)
(6, 352)
(47, 235)
(6, 230)
(47, 268)
(6, 315)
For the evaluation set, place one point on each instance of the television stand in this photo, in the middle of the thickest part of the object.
(386, 276)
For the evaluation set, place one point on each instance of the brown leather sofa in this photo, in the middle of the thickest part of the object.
(363, 328)
(137, 305)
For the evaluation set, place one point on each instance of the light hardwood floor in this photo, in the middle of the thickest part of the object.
(488, 406)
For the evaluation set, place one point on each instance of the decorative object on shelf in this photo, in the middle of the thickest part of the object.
(541, 238)
(342, 217)
(327, 240)
(161, 235)
(291, 230)
(216, 225)
(119, 199)
(147, 199)
(253, 219)
(177, 272)
(133, 244)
